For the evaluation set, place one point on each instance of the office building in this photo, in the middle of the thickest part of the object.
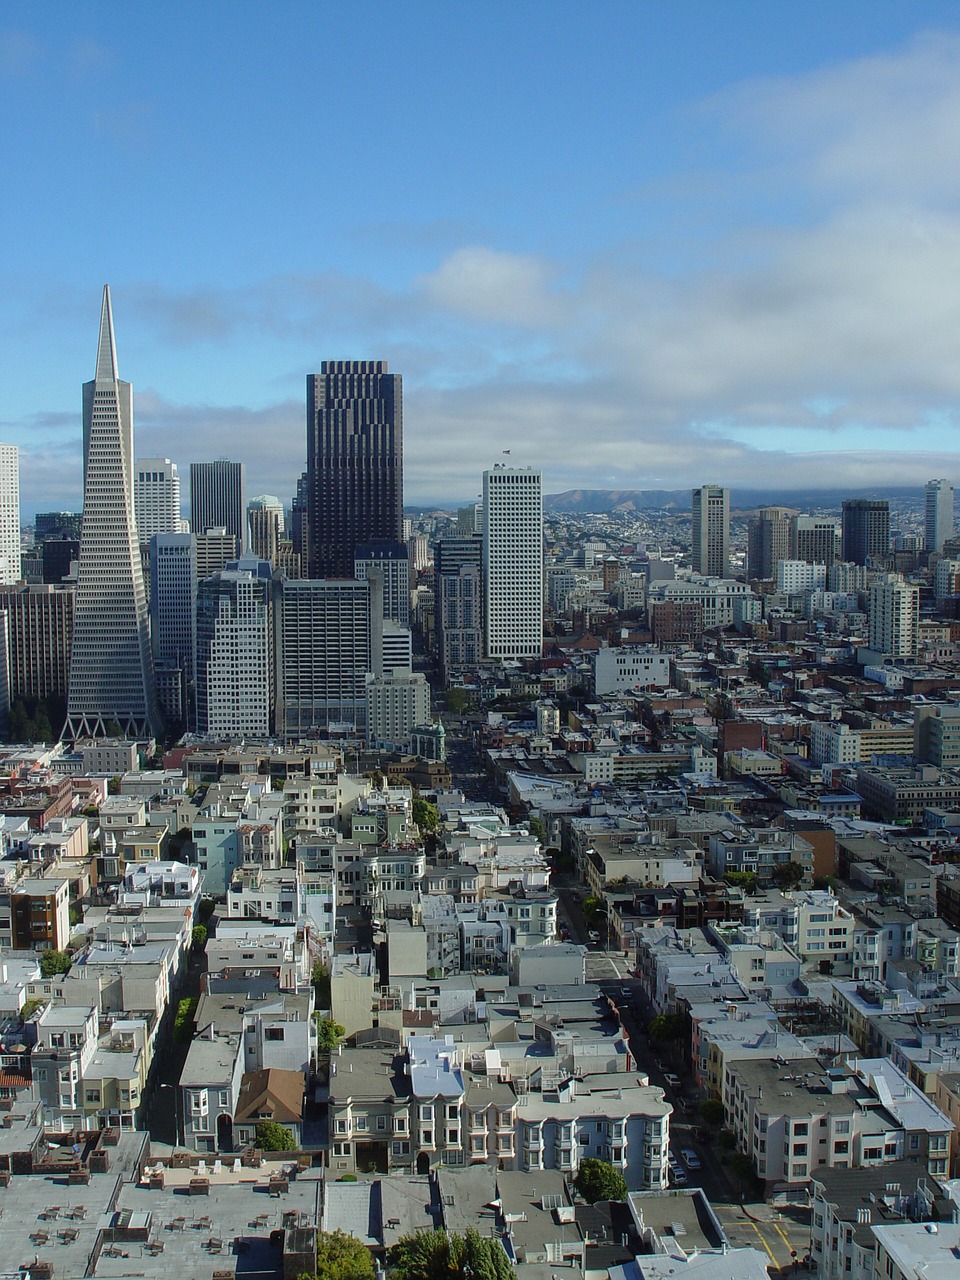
(217, 498)
(866, 530)
(937, 514)
(173, 620)
(111, 666)
(9, 513)
(57, 524)
(513, 562)
(215, 550)
(894, 616)
(390, 560)
(470, 518)
(397, 704)
(40, 632)
(768, 541)
(710, 531)
(354, 463)
(235, 650)
(815, 539)
(397, 649)
(265, 527)
(156, 497)
(329, 638)
(458, 572)
(58, 557)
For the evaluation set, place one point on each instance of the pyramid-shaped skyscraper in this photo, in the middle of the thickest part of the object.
(111, 667)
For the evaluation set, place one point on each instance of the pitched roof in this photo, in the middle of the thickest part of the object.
(271, 1094)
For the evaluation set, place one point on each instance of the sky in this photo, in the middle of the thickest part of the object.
(639, 245)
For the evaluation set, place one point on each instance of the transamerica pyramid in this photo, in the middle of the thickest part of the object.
(111, 667)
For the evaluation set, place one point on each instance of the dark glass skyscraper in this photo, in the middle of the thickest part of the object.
(354, 462)
(218, 498)
(866, 530)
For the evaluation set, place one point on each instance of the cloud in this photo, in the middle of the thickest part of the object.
(486, 284)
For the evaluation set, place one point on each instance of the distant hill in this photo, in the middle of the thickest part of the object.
(625, 501)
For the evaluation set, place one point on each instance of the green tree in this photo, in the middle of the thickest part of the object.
(666, 1027)
(597, 1180)
(199, 937)
(711, 1112)
(273, 1137)
(53, 963)
(183, 1023)
(747, 880)
(457, 701)
(787, 874)
(436, 1255)
(113, 787)
(742, 1167)
(343, 1257)
(320, 977)
(30, 1007)
(329, 1034)
(537, 829)
(592, 906)
(425, 814)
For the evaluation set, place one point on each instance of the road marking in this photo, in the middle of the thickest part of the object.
(780, 1232)
(763, 1241)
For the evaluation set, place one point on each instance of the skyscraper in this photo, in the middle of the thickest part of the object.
(815, 539)
(111, 666)
(513, 562)
(894, 616)
(768, 541)
(265, 527)
(235, 650)
(217, 498)
(390, 558)
(156, 497)
(9, 513)
(866, 530)
(354, 462)
(937, 514)
(710, 532)
(173, 620)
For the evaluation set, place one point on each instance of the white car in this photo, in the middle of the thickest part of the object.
(690, 1158)
(672, 1080)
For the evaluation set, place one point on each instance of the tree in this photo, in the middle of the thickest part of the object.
(742, 1166)
(113, 787)
(183, 1022)
(329, 1034)
(537, 829)
(343, 1257)
(787, 874)
(597, 1180)
(53, 963)
(273, 1137)
(457, 701)
(320, 977)
(665, 1027)
(425, 814)
(437, 1255)
(711, 1112)
(199, 937)
(592, 907)
(30, 1007)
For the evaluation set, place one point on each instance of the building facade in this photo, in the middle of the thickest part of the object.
(173, 620)
(110, 613)
(354, 462)
(217, 499)
(710, 531)
(513, 562)
(866, 530)
(156, 497)
(9, 513)
(235, 650)
(937, 514)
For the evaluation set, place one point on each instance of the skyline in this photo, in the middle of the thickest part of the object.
(650, 250)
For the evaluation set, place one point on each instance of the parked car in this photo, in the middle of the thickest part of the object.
(690, 1158)
(594, 937)
(677, 1176)
(672, 1080)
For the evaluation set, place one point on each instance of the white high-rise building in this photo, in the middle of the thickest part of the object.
(710, 531)
(794, 576)
(894, 616)
(513, 562)
(265, 527)
(235, 650)
(111, 666)
(9, 513)
(937, 514)
(156, 497)
(391, 559)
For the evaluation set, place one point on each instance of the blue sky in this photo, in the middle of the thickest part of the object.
(640, 245)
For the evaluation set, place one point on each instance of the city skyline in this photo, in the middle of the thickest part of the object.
(703, 248)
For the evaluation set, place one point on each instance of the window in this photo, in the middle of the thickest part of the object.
(381, 1123)
(452, 1113)
(274, 1033)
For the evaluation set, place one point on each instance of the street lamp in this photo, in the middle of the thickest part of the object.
(178, 1139)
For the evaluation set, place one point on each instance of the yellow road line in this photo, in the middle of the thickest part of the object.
(780, 1232)
(763, 1241)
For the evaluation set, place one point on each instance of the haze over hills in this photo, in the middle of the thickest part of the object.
(611, 501)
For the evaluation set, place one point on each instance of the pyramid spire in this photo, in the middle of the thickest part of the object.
(107, 347)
